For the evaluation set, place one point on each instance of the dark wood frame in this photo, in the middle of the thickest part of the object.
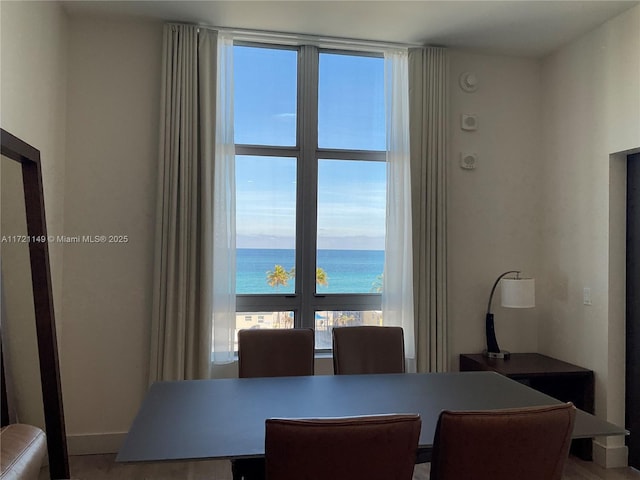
(29, 157)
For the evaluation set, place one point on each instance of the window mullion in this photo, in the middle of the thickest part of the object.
(370, 155)
(308, 181)
(266, 151)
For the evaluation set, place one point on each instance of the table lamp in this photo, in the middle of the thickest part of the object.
(516, 293)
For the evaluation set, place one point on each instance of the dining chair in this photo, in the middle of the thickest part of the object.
(368, 349)
(528, 444)
(275, 352)
(379, 447)
(271, 353)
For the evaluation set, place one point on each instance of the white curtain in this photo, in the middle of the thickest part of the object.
(224, 214)
(397, 296)
(429, 95)
(194, 279)
(181, 315)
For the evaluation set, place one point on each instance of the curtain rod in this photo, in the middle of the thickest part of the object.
(287, 38)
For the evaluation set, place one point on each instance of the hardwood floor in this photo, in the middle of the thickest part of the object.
(103, 467)
(577, 469)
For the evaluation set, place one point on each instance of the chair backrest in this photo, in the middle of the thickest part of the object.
(380, 447)
(368, 349)
(527, 444)
(275, 352)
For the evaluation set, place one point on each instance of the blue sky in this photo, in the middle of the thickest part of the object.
(351, 116)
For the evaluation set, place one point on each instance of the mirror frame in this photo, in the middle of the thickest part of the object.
(29, 157)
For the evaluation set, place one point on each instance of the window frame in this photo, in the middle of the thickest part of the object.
(305, 301)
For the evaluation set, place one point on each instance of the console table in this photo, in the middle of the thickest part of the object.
(558, 379)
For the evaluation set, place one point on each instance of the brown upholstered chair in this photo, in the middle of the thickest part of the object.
(524, 444)
(368, 349)
(275, 352)
(380, 447)
(271, 353)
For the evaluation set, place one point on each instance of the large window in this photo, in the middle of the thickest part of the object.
(310, 188)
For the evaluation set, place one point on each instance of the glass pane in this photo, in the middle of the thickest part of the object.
(265, 92)
(351, 102)
(351, 226)
(326, 320)
(247, 320)
(265, 224)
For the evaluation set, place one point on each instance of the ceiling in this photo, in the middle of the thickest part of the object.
(516, 27)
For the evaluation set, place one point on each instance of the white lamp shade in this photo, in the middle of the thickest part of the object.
(518, 292)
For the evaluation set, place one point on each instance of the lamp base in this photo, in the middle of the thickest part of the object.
(502, 354)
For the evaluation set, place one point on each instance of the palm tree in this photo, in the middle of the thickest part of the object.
(378, 285)
(321, 276)
(277, 277)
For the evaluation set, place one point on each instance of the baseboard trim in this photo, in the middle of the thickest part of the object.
(610, 457)
(95, 443)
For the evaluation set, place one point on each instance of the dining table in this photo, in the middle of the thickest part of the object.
(225, 418)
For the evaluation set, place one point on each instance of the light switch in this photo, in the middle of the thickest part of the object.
(586, 296)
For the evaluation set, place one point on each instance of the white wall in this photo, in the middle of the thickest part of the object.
(112, 146)
(33, 50)
(99, 143)
(493, 211)
(591, 110)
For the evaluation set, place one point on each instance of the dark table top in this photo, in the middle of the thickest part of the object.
(225, 418)
(529, 364)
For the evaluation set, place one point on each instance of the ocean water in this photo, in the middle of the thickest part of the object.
(348, 271)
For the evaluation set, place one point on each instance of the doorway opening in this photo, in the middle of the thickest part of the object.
(632, 364)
